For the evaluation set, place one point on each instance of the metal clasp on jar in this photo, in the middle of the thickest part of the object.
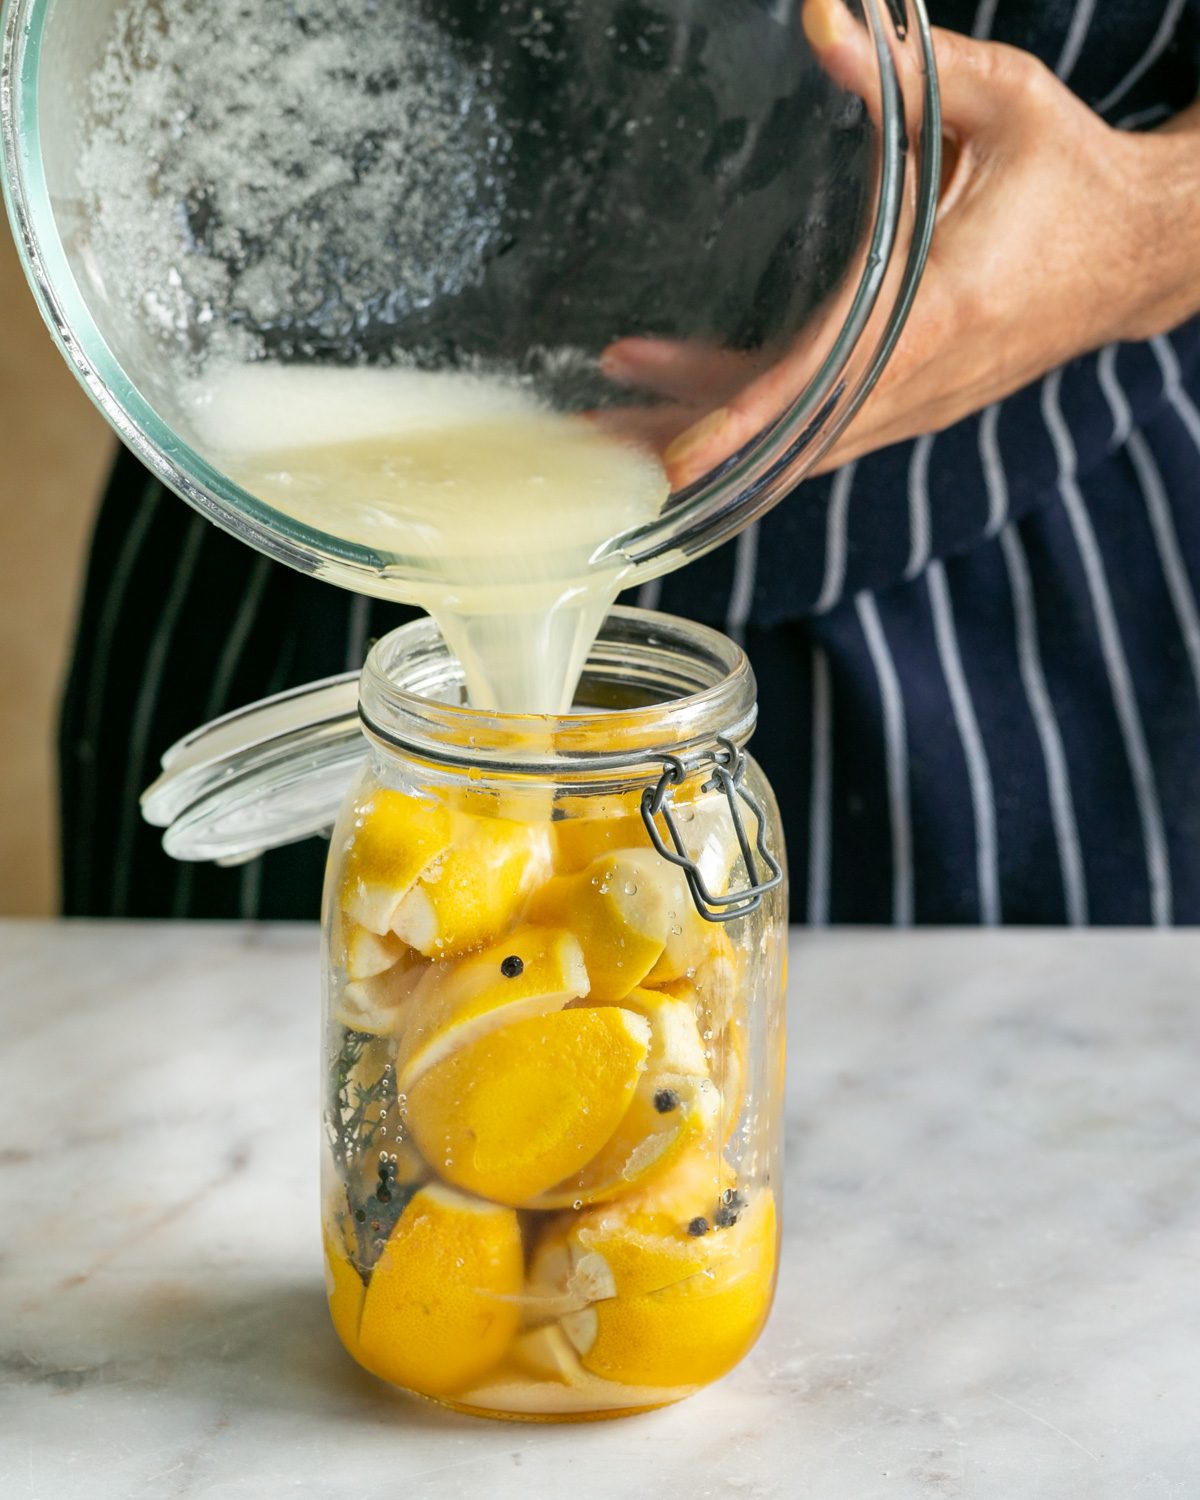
(729, 768)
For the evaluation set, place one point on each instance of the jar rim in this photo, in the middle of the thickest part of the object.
(697, 685)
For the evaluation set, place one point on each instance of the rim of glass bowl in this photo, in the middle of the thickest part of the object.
(695, 520)
(696, 685)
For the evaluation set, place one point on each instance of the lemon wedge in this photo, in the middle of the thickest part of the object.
(517, 1110)
(365, 954)
(684, 1308)
(476, 887)
(673, 1105)
(378, 1004)
(531, 972)
(345, 1290)
(590, 827)
(394, 838)
(548, 1354)
(441, 1308)
(724, 1046)
(618, 909)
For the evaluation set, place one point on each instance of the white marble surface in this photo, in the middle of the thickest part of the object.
(991, 1284)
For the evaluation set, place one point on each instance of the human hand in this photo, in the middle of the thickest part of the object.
(1056, 234)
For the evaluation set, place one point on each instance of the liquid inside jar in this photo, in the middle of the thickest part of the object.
(552, 1101)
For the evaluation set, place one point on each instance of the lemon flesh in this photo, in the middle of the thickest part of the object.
(517, 1110)
(441, 1306)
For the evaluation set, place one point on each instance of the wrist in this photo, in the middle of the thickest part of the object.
(1158, 229)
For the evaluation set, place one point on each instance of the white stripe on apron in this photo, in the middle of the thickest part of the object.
(896, 746)
(741, 595)
(981, 30)
(1081, 24)
(994, 477)
(1170, 554)
(356, 632)
(920, 526)
(1033, 679)
(1106, 369)
(820, 804)
(1117, 667)
(1157, 47)
(979, 772)
(1154, 494)
(836, 523)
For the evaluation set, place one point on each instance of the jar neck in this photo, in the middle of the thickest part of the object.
(653, 687)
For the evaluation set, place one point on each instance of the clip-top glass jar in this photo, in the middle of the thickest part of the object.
(555, 958)
(553, 1088)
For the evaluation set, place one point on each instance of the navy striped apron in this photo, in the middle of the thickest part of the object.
(978, 654)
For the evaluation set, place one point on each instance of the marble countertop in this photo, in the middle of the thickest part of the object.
(991, 1277)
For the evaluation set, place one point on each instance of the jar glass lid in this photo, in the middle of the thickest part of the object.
(269, 774)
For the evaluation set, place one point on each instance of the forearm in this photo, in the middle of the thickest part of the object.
(1164, 284)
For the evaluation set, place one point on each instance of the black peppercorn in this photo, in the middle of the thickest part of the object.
(513, 966)
(665, 1101)
(698, 1226)
(361, 1215)
(725, 1216)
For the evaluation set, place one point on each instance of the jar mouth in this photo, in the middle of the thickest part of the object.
(653, 686)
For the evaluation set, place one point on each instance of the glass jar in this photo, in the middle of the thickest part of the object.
(555, 958)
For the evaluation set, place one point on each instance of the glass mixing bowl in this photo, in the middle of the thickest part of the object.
(643, 210)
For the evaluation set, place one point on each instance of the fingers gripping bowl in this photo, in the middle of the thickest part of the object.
(551, 1169)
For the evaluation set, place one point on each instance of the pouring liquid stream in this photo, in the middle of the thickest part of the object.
(485, 507)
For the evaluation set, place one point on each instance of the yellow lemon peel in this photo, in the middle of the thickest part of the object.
(618, 909)
(476, 887)
(395, 837)
(683, 1307)
(441, 1306)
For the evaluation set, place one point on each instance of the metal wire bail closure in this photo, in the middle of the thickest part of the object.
(729, 767)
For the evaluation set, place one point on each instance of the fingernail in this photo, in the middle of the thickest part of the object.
(822, 20)
(689, 443)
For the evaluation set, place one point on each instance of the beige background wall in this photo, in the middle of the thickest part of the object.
(54, 448)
